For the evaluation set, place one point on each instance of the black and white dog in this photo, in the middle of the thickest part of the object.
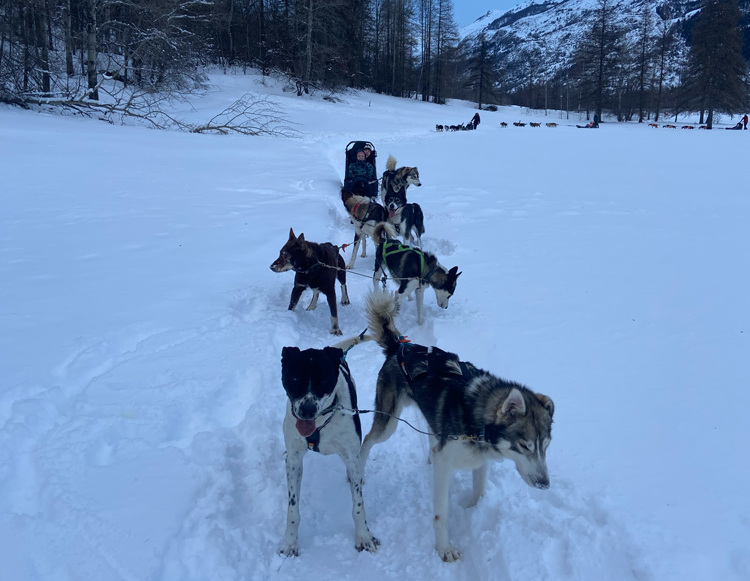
(407, 219)
(412, 268)
(318, 383)
(475, 418)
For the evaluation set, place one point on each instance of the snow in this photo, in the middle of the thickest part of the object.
(480, 23)
(141, 402)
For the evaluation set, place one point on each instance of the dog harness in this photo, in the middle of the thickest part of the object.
(313, 440)
(391, 247)
(417, 362)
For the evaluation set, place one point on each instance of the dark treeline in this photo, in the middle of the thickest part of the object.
(67, 49)
(52, 48)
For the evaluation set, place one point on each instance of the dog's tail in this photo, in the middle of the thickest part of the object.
(382, 232)
(382, 309)
(390, 165)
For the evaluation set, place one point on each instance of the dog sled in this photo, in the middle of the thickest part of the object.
(360, 185)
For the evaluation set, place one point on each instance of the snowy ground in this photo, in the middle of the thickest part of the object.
(141, 330)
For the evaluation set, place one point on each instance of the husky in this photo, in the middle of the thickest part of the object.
(318, 384)
(406, 218)
(365, 213)
(414, 270)
(309, 261)
(474, 417)
(395, 180)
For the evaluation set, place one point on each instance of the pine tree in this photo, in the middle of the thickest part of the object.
(717, 76)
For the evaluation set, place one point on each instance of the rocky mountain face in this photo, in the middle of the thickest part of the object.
(535, 40)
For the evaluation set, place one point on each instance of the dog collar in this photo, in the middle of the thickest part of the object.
(313, 440)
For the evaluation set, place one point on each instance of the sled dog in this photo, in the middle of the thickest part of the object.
(413, 269)
(308, 260)
(396, 180)
(365, 213)
(318, 382)
(407, 219)
(474, 417)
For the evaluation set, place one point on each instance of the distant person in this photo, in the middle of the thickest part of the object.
(475, 120)
(744, 120)
(360, 168)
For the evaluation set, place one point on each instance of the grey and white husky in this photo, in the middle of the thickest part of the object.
(412, 268)
(397, 180)
(318, 384)
(475, 418)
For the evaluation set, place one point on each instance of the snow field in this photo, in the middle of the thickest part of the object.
(141, 401)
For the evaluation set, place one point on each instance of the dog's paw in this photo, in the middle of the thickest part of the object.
(336, 332)
(349, 266)
(449, 553)
(345, 302)
(289, 550)
(311, 308)
(366, 543)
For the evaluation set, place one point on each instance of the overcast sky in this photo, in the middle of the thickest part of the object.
(467, 11)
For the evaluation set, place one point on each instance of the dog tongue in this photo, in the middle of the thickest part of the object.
(391, 213)
(305, 427)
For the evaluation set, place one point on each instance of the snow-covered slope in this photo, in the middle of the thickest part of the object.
(548, 31)
(141, 329)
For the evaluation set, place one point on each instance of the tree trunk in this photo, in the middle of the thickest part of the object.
(308, 48)
(68, 42)
(229, 30)
(42, 26)
(91, 50)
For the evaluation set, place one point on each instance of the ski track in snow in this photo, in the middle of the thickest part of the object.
(142, 405)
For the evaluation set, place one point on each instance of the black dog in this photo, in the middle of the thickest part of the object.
(310, 262)
(406, 218)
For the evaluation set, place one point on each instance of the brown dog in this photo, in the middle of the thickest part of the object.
(316, 266)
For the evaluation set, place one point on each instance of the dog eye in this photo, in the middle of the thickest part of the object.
(528, 446)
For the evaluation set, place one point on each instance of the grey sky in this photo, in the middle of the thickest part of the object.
(467, 11)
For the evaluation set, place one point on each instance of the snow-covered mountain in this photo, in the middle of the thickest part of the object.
(546, 32)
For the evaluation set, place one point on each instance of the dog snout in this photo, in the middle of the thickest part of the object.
(540, 480)
(307, 410)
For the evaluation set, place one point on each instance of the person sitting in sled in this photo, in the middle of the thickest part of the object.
(360, 168)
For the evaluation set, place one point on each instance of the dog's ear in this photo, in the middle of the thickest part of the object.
(514, 405)
(301, 238)
(334, 353)
(547, 403)
(291, 234)
(454, 272)
(289, 351)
